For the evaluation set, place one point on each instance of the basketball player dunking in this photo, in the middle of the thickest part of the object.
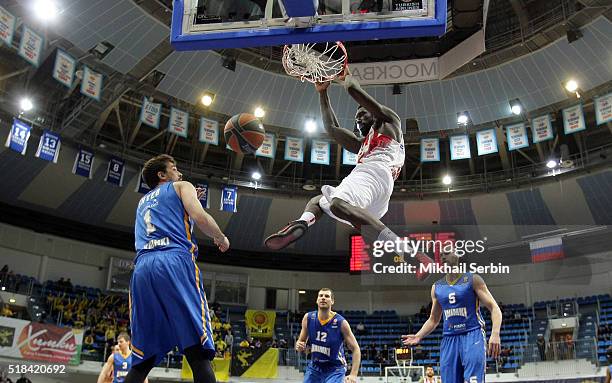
(362, 198)
(168, 305)
(326, 331)
(118, 363)
(463, 349)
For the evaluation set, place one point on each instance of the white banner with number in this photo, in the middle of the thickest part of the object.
(486, 142)
(91, 85)
(603, 109)
(268, 147)
(209, 131)
(150, 114)
(541, 129)
(294, 149)
(31, 46)
(179, 122)
(573, 119)
(320, 152)
(7, 26)
(430, 149)
(349, 158)
(460, 147)
(516, 135)
(64, 68)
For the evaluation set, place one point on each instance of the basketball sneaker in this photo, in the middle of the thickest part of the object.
(422, 259)
(287, 235)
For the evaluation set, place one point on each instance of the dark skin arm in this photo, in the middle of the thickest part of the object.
(391, 122)
(344, 137)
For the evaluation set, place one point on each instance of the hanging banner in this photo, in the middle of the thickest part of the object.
(573, 119)
(349, 158)
(115, 171)
(141, 186)
(31, 46)
(209, 131)
(150, 114)
(320, 152)
(229, 198)
(294, 149)
(41, 342)
(7, 26)
(268, 147)
(179, 122)
(460, 147)
(516, 135)
(49, 146)
(541, 129)
(64, 68)
(83, 163)
(18, 137)
(91, 85)
(430, 149)
(486, 142)
(221, 367)
(203, 194)
(260, 323)
(603, 109)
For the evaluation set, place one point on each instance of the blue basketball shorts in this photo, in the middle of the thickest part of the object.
(168, 306)
(463, 358)
(324, 374)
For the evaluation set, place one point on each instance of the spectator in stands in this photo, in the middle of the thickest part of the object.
(229, 340)
(360, 330)
(244, 344)
(541, 347)
(609, 354)
(258, 343)
(89, 340)
(282, 346)
(569, 346)
(220, 345)
(4, 376)
(429, 376)
(6, 311)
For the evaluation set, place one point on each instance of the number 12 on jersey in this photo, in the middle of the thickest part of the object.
(321, 336)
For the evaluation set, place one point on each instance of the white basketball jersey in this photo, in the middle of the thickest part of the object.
(383, 150)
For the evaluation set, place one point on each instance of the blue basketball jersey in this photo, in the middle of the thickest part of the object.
(460, 305)
(162, 222)
(326, 340)
(121, 367)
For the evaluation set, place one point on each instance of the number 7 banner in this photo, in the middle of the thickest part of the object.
(229, 197)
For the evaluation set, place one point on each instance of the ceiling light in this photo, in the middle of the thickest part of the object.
(45, 9)
(516, 107)
(259, 112)
(571, 85)
(447, 180)
(302, 292)
(551, 164)
(26, 104)
(12, 300)
(311, 126)
(256, 176)
(463, 118)
(207, 99)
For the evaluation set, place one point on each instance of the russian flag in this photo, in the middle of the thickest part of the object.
(547, 249)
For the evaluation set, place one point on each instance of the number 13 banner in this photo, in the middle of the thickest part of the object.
(49, 146)
(229, 198)
(115, 171)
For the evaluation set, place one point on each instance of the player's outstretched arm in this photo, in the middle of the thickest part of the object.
(107, 370)
(379, 111)
(352, 345)
(344, 137)
(484, 295)
(430, 324)
(188, 194)
(300, 343)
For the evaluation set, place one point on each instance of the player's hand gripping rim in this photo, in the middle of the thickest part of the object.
(410, 340)
(494, 346)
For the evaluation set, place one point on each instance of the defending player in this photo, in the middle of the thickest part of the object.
(608, 374)
(429, 376)
(362, 198)
(118, 363)
(168, 305)
(463, 349)
(326, 331)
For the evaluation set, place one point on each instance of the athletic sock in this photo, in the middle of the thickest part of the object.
(308, 217)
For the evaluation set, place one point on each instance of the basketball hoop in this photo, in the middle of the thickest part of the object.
(317, 62)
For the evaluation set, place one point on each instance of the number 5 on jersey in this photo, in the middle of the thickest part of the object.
(451, 298)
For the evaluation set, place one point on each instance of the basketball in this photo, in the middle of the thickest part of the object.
(244, 133)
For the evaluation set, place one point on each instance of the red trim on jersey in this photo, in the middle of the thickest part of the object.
(371, 142)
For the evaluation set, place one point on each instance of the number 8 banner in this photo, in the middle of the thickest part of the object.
(114, 171)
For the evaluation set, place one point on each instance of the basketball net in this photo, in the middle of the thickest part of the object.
(315, 62)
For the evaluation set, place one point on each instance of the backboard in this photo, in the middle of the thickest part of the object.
(218, 24)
